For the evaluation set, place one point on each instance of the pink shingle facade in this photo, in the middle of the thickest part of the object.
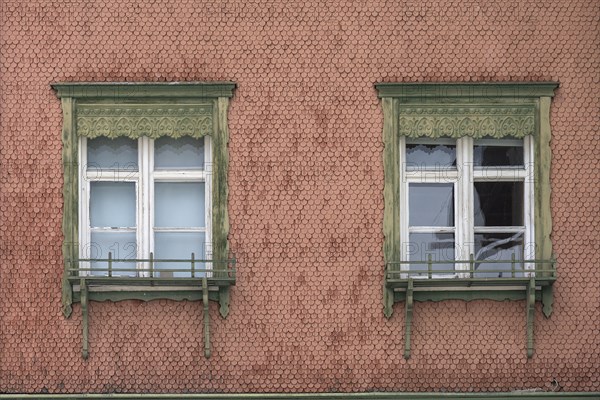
(305, 196)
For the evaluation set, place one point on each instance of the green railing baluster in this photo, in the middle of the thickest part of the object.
(471, 265)
(83, 290)
(429, 266)
(193, 266)
(110, 266)
(206, 317)
(512, 264)
(151, 268)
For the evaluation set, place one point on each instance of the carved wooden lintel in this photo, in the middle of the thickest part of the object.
(134, 121)
(474, 121)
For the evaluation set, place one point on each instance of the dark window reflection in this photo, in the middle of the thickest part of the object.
(498, 203)
(498, 156)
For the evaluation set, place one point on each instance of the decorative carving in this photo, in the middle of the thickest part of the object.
(153, 121)
(457, 121)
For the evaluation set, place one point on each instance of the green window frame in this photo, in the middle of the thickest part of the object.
(153, 110)
(459, 110)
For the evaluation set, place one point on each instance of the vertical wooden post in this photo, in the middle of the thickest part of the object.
(530, 316)
(70, 197)
(408, 315)
(471, 265)
(429, 266)
(193, 266)
(206, 317)
(512, 264)
(84, 317)
(391, 195)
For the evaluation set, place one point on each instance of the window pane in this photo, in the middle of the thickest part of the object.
(439, 245)
(122, 245)
(177, 245)
(179, 204)
(498, 203)
(498, 153)
(105, 153)
(498, 247)
(428, 156)
(431, 204)
(182, 153)
(112, 204)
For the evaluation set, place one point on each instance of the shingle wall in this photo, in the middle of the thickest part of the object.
(305, 196)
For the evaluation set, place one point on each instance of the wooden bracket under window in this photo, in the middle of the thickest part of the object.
(531, 285)
(157, 288)
(84, 317)
(408, 315)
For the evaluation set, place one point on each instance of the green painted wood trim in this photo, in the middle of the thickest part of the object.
(84, 320)
(542, 188)
(133, 97)
(530, 317)
(433, 90)
(460, 120)
(206, 317)
(151, 120)
(391, 194)
(525, 394)
(547, 300)
(408, 316)
(220, 214)
(438, 93)
(120, 90)
(439, 295)
(175, 295)
(70, 199)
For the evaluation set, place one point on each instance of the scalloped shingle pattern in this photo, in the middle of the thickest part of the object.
(305, 202)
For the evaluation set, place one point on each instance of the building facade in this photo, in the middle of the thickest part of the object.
(288, 105)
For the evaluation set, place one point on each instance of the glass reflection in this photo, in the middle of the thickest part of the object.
(122, 245)
(431, 204)
(112, 204)
(498, 247)
(179, 204)
(182, 153)
(179, 245)
(112, 154)
(439, 245)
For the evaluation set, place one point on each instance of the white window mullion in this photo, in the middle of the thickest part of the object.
(464, 214)
(208, 169)
(529, 202)
(145, 195)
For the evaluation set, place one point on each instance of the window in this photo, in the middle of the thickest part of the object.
(467, 194)
(466, 198)
(145, 199)
(145, 194)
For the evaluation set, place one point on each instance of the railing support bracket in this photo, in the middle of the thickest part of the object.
(530, 315)
(408, 315)
(84, 317)
(206, 317)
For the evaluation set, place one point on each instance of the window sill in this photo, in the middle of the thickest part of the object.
(114, 293)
